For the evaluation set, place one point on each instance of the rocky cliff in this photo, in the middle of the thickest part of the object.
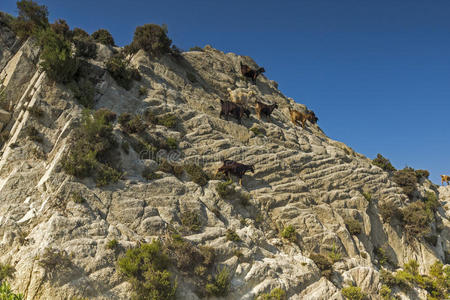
(305, 194)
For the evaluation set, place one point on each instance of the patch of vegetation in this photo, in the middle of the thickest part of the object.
(422, 174)
(275, 294)
(6, 271)
(6, 20)
(258, 131)
(191, 221)
(174, 169)
(289, 233)
(143, 91)
(112, 244)
(92, 151)
(78, 33)
(56, 55)
(389, 210)
(84, 91)
(196, 48)
(383, 163)
(54, 260)
(417, 219)
(104, 37)
(146, 268)
(33, 134)
(32, 18)
(131, 124)
(225, 189)
(186, 256)
(367, 196)
(168, 120)
(334, 254)
(35, 111)
(197, 174)
(172, 143)
(105, 114)
(77, 198)
(7, 294)
(407, 180)
(353, 226)
(385, 292)
(323, 263)
(61, 28)
(231, 235)
(220, 285)
(122, 73)
(152, 39)
(431, 201)
(353, 293)
(149, 175)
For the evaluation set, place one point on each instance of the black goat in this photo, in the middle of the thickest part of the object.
(231, 167)
(264, 109)
(230, 108)
(250, 73)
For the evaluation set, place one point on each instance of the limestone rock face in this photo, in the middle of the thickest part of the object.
(302, 179)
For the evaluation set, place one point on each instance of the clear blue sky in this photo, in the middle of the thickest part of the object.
(375, 72)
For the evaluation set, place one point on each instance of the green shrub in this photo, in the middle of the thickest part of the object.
(367, 196)
(289, 233)
(32, 18)
(7, 294)
(388, 210)
(84, 91)
(334, 254)
(225, 189)
(431, 201)
(85, 48)
(422, 174)
(275, 294)
(221, 284)
(380, 253)
(131, 124)
(57, 60)
(92, 151)
(197, 174)
(196, 48)
(191, 221)
(166, 167)
(353, 226)
(385, 292)
(323, 263)
(149, 175)
(407, 180)
(105, 114)
(146, 268)
(104, 37)
(353, 293)
(33, 134)
(172, 143)
(121, 72)
(54, 260)
(258, 131)
(152, 39)
(79, 33)
(60, 27)
(6, 20)
(77, 198)
(35, 111)
(383, 163)
(6, 271)
(112, 244)
(231, 235)
(417, 219)
(168, 120)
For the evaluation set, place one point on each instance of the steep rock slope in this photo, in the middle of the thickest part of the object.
(302, 178)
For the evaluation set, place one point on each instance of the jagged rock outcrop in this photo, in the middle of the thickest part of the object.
(302, 178)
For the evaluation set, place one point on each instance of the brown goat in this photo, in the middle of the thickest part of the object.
(445, 178)
(231, 167)
(250, 73)
(297, 117)
(264, 109)
(230, 108)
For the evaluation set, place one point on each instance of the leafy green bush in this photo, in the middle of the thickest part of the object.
(6, 271)
(258, 131)
(196, 48)
(6, 20)
(7, 294)
(79, 33)
(150, 175)
(417, 219)
(85, 48)
(275, 294)
(152, 39)
(104, 37)
(225, 189)
(367, 196)
(121, 72)
(168, 120)
(197, 174)
(389, 210)
(62, 28)
(431, 201)
(84, 91)
(131, 124)
(422, 174)
(334, 254)
(92, 151)
(383, 163)
(231, 235)
(146, 268)
(174, 169)
(353, 293)
(191, 221)
(407, 180)
(35, 111)
(56, 55)
(112, 244)
(221, 284)
(385, 292)
(32, 18)
(323, 263)
(353, 226)
(289, 233)
(33, 134)
(105, 114)
(77, 198)
(172, 143)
